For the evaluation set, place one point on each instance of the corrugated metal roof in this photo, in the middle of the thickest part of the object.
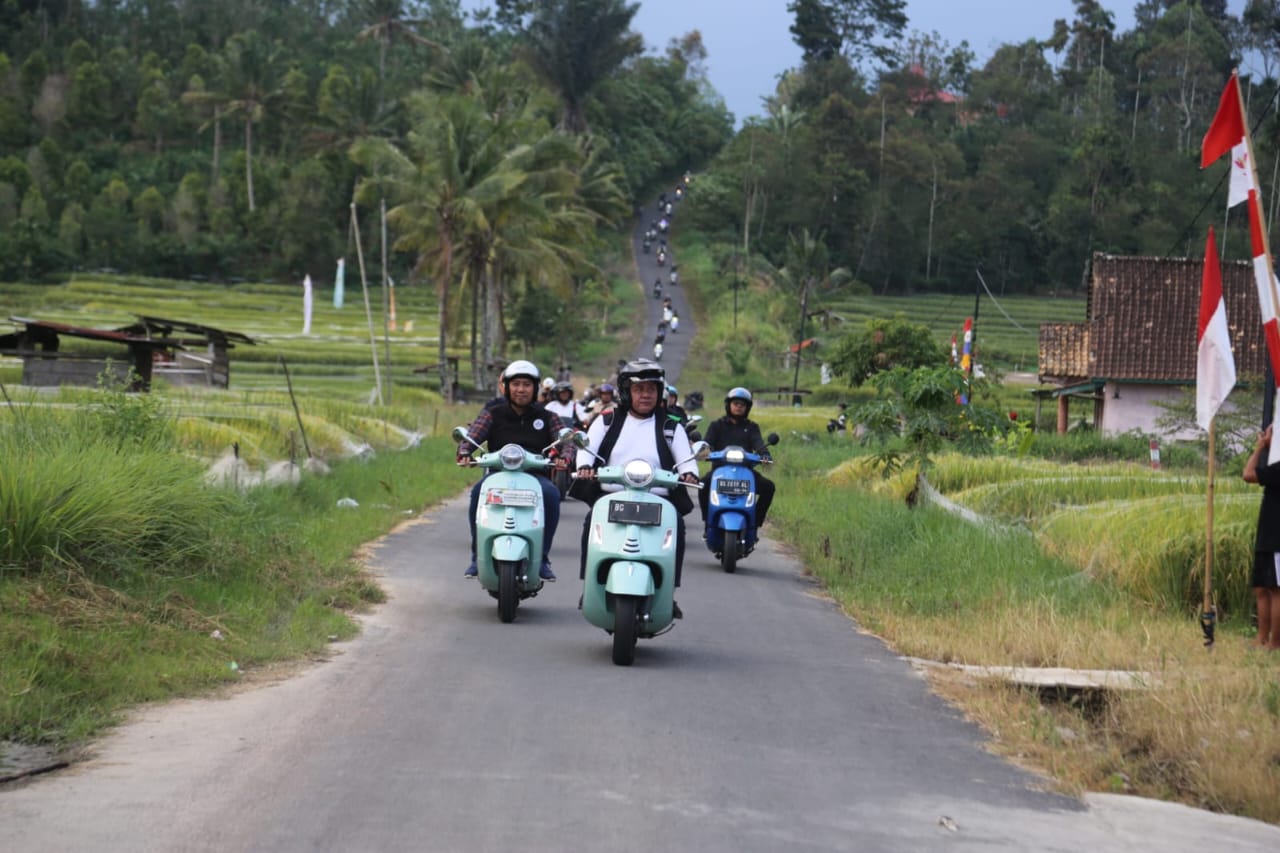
(91, 334)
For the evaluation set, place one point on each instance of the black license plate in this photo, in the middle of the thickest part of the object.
(733, 487)
(635, 512)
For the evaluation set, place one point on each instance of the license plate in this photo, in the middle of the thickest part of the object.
(733, 487)
(635, 512)
(512, 497)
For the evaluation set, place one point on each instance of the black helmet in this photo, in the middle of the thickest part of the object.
(640, 370)
(561, 387)
(738, 393)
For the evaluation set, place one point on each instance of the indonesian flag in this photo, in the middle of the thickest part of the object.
(1229, 133)
(1215, 368)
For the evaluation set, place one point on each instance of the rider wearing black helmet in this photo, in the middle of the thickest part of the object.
(638, 429)
(516, 418)
(736, 428)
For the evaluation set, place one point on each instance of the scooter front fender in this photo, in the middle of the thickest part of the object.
(628, 577)
(731, 521)
(512, 548)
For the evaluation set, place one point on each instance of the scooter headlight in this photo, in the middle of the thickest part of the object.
(512, 457)
(734, 456)
(638, 473)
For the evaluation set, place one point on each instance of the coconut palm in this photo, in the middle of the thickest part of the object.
(253, 87)
(451, 167)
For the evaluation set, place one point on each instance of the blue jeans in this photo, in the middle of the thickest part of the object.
(550, 511)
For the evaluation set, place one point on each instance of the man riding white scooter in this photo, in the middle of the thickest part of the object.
(639, 429)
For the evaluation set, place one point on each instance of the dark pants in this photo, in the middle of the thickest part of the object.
(550, 512)
(586, 531)
(764, 496)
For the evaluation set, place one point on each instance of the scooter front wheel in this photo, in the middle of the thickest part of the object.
(729, 556)
(508, 593)
(625, 624)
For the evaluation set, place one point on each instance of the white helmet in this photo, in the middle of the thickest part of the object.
(518, 369)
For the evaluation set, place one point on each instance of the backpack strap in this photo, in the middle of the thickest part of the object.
(666, 433)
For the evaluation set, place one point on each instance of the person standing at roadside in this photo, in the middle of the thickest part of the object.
(1266, 548)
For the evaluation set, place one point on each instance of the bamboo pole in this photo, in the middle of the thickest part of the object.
(1207, 615)
(296, 412)
(388, 306)
(368, 312)
(1256, 210)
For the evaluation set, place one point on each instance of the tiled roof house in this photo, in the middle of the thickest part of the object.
(1137, 345)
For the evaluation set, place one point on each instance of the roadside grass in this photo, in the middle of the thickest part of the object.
(118, 563)
(1206, 728)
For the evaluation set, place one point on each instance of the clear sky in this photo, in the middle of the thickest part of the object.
(749, 41)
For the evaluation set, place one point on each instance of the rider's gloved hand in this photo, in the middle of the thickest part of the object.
(691, 479)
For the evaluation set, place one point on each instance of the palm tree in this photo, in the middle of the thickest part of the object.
(388, 20)
(253, 87)
(437, 185)
(573, 45)
(805, 271)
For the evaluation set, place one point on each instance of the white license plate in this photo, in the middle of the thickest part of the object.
(512, 497)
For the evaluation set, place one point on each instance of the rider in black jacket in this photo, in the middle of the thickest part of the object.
(737, 429)
(516, 418)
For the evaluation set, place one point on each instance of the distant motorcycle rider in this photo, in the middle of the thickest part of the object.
(737, 429)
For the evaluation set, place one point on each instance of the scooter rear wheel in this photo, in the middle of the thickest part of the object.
(508, 593)
(625, 621)
(729, 556)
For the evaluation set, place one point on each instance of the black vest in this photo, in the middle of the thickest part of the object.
(531, 430)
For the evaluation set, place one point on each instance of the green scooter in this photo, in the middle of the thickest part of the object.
(510, 521)
(631, 556)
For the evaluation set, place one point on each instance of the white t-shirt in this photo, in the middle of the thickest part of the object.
(568, 412)
(636, 441)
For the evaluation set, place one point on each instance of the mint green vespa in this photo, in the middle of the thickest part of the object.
(631, 556)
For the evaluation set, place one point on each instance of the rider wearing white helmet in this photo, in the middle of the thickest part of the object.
(516, 418)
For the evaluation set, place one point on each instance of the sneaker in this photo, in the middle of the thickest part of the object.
(676, 612)
(545, 572)
(471, 570)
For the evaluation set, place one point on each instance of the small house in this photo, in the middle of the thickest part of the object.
(1137, 345)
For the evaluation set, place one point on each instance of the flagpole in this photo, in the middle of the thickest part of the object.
(1256, 201)
(1207, 614)
(1257, 195)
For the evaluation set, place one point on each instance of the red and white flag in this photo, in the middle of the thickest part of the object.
(1228, 132)
(1215, 367)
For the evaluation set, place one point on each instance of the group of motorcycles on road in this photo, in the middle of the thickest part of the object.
(629, 584)
(629, 588)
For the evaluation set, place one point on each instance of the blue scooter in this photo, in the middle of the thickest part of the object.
(731, 503)
(510, 521)
(630, 581)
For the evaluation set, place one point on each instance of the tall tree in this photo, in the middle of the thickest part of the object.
(573, 45)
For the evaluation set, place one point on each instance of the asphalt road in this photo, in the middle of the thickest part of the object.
(764, 721)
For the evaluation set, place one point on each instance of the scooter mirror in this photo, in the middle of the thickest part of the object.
(459, 434)
(701, 450)
(693, 419)
(579, 439)
(564, 435)
(772, 439)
